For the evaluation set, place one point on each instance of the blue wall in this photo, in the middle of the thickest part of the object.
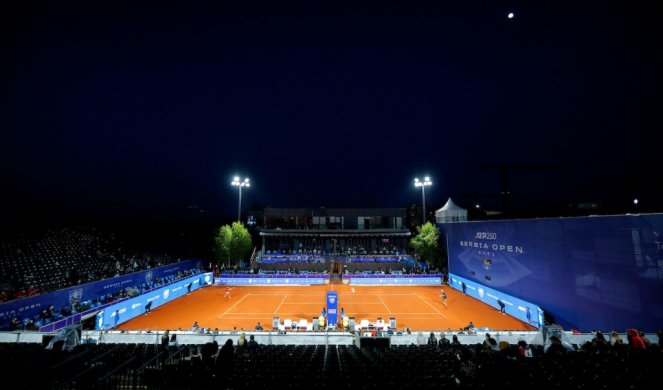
(513, 306)
(394, 280)
(271, 280)
(27, 307)
(121, 312)
(601, 272)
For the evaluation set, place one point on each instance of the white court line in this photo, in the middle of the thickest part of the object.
(317, 295)
(340, 294)
(344, 302)
(294, 319)
(279, 306)
(385, 305)
(419, 318)
(432, 307)
(381, 294)
(293, 314)
(358, 313)
(252, 314)
(394, 313)
(237, 303)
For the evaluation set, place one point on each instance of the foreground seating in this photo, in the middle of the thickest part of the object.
(113, 366)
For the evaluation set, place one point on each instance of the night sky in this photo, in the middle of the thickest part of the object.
(157, 105)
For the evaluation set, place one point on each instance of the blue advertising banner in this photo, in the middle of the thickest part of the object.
(271, 280)
(30, 306)
(332, 308)
(395, 280)
(590, 273)
(113, 315)
(515, 307)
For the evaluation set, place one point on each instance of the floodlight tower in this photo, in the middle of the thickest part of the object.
(423, 184)
(240, 183)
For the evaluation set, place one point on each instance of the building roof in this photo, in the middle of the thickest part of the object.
(451, 206)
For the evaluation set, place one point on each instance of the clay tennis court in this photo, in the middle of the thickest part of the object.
(418, 308)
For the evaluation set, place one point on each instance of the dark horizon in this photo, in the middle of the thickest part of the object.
(149, 109)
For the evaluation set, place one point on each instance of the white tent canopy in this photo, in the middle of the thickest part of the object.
(450, 212)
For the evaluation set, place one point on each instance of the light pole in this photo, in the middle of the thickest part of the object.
(423, 184)
(240, 183)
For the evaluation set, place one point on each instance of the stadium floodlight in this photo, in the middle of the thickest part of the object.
(423, 184)
(240, 183)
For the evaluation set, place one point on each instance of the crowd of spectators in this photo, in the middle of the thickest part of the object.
(343, 250)
(40, 262)
(61, 257)
(248, 364)
(354, 260)
(52, 314)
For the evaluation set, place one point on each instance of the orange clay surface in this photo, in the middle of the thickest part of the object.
(418, 308)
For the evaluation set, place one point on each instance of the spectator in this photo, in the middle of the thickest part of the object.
(522, 349)
(600, 341)
(224, 364)
(644, 338)
(634, 339)
(164, 338)
(615, 339)
(252, 345)
(259, 328)
(241, 343)
(555, 348)
(490, 344)
(172, 343)
(208, 353)
(444, 341)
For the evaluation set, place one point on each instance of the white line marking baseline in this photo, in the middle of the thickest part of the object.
(237, 303)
